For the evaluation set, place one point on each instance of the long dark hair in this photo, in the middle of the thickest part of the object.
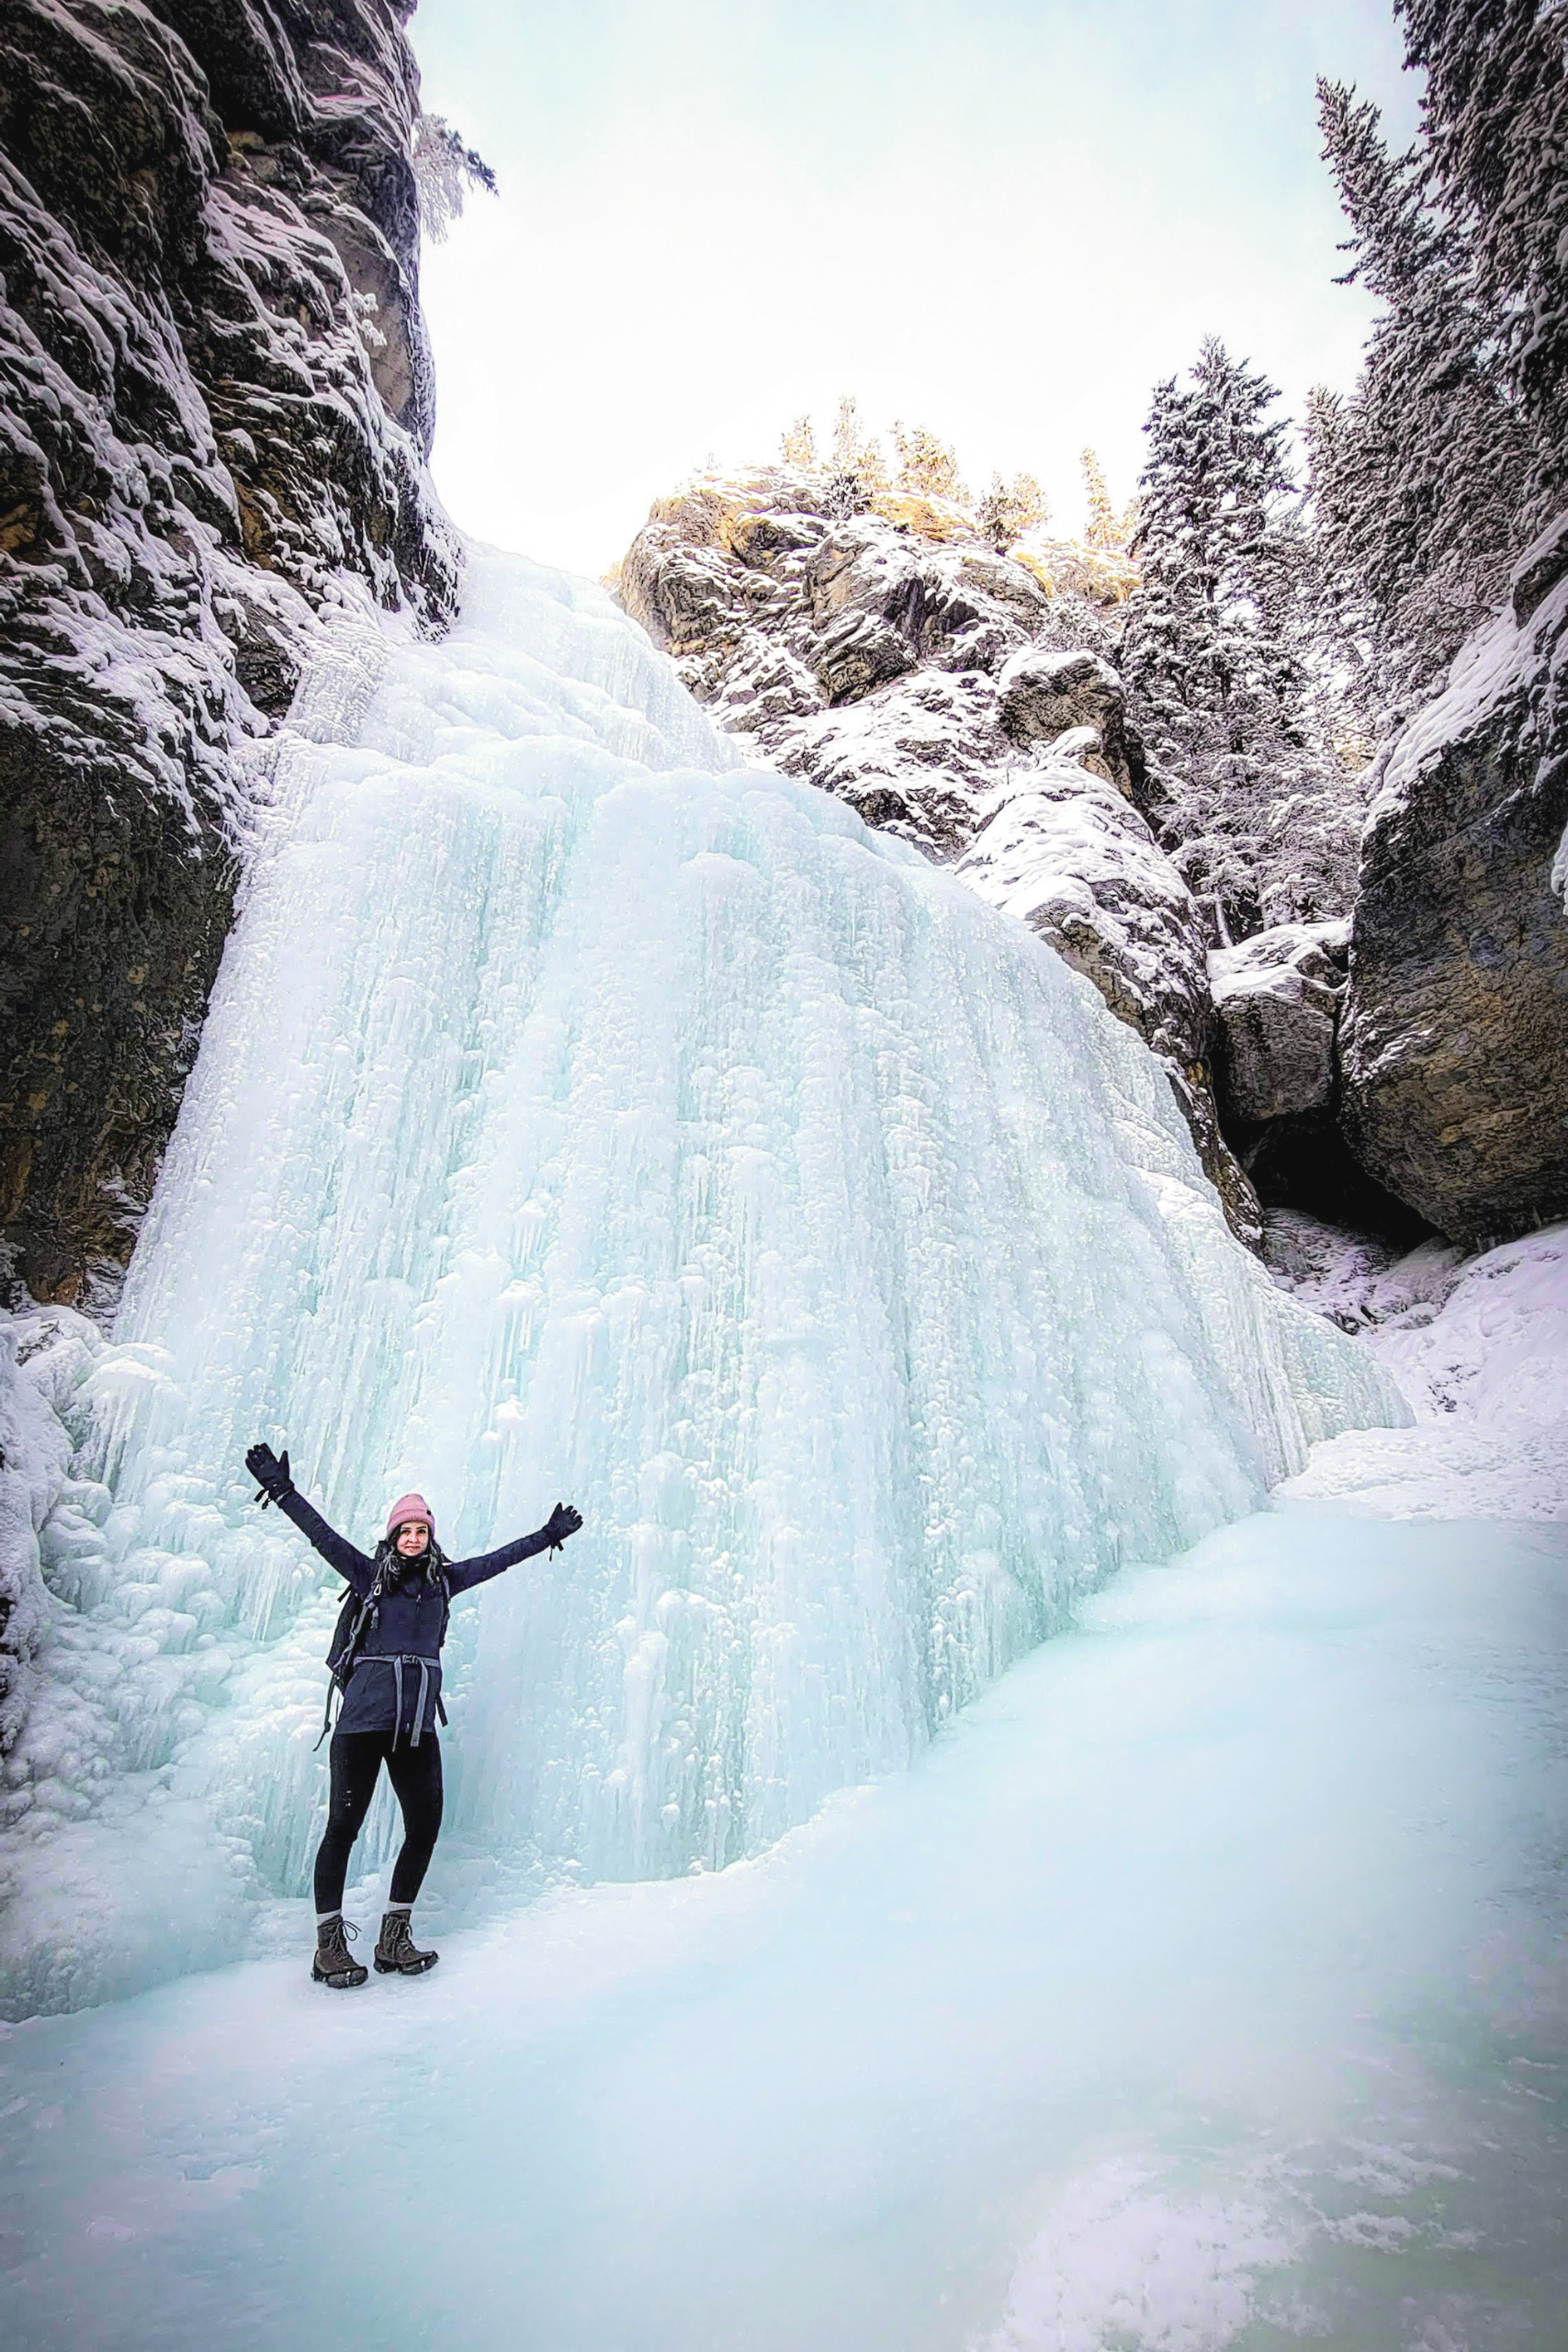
(393, 1566)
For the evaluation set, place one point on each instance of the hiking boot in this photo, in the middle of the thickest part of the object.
(334, 1964)
(396, 1949)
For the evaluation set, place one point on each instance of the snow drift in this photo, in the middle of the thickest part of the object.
(1479, 1347)
(581, 1114)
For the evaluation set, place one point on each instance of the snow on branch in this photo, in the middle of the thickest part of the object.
(444, 170)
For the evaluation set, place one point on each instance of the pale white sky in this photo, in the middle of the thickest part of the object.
(1004, 220)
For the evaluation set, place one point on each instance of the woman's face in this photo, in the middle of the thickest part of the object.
(414, 1537)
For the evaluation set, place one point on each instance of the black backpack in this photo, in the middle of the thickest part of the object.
(357, 1617)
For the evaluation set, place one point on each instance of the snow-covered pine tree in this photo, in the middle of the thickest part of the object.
(797, 443)
(1007, 512)
(1419, 476)
(856, 467)
(927, 467)
(1220, 662)
(444, 169)
(1495, 118)
(1102, 528)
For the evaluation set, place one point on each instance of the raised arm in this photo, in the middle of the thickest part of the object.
(272, 1476)
(562, 1521)
(335, 1549)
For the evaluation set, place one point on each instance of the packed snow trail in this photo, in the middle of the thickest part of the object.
(581, 1115)
(1201, 1986)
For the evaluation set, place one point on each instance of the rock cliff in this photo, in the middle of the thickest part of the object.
(881, 649)
(1454, 1044)
(1278, 1001)
(215, 400)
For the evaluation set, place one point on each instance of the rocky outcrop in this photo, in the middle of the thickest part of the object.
(862, 649)
(215, 398)
(1454, 1047)
(1277, 1002)
(1046, 695)
(1069, 855)
(1410, 1075)
(880, 649)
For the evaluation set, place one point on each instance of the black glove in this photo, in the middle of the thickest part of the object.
(562, 1521)
(272, 1481)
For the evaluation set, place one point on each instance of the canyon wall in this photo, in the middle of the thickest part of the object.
(215, 401)
(1455, 1033)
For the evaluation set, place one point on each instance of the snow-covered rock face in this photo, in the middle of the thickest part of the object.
(215, 398)
(1073, 859)
(1277, 1002)
(868, 652)
(1046, 695)
(894, 658)
(1455, 1037)
(1277, 997)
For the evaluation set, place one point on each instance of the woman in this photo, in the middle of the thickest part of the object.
(387, 1661)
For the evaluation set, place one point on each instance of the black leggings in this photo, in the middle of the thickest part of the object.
(356, 1759)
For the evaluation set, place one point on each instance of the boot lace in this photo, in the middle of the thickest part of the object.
(332, 1940)
(396, 1936)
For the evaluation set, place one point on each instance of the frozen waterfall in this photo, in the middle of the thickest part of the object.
(582, 1115)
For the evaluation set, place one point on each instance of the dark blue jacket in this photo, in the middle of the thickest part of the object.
(407, 1625)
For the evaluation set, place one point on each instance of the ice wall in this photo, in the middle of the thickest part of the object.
(582, 1114)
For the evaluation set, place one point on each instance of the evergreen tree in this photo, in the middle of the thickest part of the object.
(1006, 514)
(797, 443)
(927, 467)
(443, 171)
(1219, 658)
(1495, 118)
(1420, 477)
(857, 468)
(1102, 528)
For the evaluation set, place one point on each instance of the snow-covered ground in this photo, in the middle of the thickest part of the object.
(1202, 1988)
(1480, 1348)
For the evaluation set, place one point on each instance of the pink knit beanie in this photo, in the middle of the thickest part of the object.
(410, 1507)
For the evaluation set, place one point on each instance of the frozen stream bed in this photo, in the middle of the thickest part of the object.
(1200, 1987)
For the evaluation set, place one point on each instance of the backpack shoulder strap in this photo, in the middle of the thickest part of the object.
(366, 1607)
(342, 1662)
